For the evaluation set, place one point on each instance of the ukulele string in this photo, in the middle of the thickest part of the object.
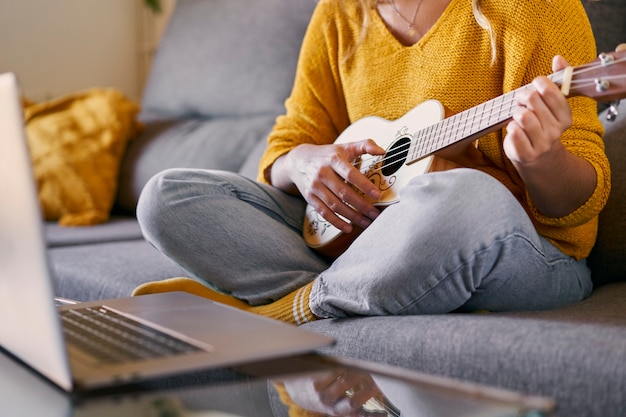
(586, 68)
(432, 139)
(458, 123)
(455, 125)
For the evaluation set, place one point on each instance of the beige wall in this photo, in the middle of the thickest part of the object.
(60, 46)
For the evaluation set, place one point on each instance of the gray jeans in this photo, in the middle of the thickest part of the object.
(457, 240)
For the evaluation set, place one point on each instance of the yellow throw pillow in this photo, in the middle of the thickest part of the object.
(77, 143)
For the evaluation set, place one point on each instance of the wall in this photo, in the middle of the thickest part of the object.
(60, 46)
(151, 28)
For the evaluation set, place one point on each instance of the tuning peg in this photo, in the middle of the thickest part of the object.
(612, 112)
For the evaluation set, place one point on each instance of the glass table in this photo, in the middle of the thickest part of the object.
(307, 386)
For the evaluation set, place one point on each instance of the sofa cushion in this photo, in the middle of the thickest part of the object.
(220, 77)
(118, 228)
(608, 20)
(77, 143)
(108, 270)
(575, 356)
(608, 257)
(217, 143)
(227, 57)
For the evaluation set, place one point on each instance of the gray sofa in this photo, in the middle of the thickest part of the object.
(220, 77)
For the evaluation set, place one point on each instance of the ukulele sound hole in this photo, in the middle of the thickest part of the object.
(395, 157)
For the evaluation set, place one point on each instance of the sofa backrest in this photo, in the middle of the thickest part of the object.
(608, 258)
(227, 58)
(608, 20)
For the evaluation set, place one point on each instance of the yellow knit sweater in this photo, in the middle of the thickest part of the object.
(451, 63)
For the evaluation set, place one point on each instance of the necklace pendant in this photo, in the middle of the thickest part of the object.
(410, 30)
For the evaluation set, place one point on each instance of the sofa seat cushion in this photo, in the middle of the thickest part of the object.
(566, 355)
(605, 306)
(108, 270)
(118, 228)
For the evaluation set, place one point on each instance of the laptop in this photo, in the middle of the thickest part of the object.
(161, 334)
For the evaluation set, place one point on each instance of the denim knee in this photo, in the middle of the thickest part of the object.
(461, 204)
(148, 202)
(155, 207)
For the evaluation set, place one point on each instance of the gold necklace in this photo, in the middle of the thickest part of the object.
(410, 30)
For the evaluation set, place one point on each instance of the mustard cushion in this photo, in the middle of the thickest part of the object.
(77, 143)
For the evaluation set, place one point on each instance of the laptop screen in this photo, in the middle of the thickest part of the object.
(30, 328)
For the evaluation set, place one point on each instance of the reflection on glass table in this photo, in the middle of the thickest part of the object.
(337, 392)
(303, 386)
(355, 392)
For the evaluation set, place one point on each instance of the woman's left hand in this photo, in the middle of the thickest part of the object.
(557, 181)
(543, 114)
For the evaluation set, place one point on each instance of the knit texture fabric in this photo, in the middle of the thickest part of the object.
(453, 64)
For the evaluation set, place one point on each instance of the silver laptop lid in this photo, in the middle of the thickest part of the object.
(29, 327)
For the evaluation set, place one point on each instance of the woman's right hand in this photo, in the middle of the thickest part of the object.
(348, 393)
(326, 178)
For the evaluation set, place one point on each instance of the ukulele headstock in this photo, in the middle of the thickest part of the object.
(603, 79)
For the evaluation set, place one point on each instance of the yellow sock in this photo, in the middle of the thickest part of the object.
(292, 308)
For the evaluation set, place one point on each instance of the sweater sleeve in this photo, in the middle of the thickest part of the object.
(565, 30)
(315, 111)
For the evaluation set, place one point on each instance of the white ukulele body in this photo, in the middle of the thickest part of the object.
(389, 172)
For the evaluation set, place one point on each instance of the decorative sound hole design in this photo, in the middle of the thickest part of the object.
(396, 155)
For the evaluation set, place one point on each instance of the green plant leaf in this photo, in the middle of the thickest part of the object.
(154, 5)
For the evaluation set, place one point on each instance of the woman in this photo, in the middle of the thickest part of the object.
(505, 224)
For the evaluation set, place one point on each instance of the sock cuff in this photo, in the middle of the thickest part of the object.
(300, 308)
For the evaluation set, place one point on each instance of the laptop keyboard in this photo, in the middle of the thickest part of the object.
(113, 338)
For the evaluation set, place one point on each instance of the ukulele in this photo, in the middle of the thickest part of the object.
(411, 140)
